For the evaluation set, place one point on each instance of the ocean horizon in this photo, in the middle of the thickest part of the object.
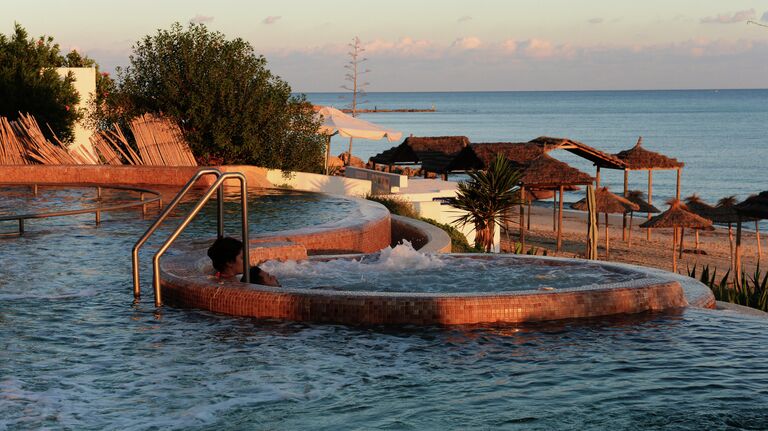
(720, 134)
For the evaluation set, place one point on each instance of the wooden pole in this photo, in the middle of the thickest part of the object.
(554, 210)
(757, 237)
(624, 218)
(679, 172)
(522, 217)
(650, 201)
(629, 231)
(597, 178)
(674, 251)
(737, 258)
(607, 253)
(697, 242)
(560, 221)
(682, 239)
(528, 222)
(730, 244)
(327, 153)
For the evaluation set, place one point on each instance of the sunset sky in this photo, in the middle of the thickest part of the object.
(447, 45)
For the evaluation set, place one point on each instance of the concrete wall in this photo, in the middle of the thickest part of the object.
(85, 85)
(320, 183)
(448, 214)
(383, 182)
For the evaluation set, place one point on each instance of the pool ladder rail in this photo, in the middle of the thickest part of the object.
(218, 188)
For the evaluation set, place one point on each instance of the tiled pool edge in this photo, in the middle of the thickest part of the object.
(649, 293)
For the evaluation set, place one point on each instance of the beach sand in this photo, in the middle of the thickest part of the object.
(655, 253)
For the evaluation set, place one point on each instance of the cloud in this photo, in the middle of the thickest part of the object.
(405, 46)
(271, 20)
(465, 18)
(201, 19)
(467, 43)
(764, 18)
(595, 21)
(509, 46)
(725, 18)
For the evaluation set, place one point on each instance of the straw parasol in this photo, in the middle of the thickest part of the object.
(677, 216)
(607, 202)
(756, 207)
(638, 158)
(697, 206)
(637, 197)
(548, 172)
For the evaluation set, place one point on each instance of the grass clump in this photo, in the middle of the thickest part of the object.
(399, 206)
(751, 292)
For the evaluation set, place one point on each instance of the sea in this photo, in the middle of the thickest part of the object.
(720, 135)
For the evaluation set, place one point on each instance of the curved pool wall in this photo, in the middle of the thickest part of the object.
(187, 283)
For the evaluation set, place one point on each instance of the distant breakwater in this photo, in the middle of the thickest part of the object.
(376, 110)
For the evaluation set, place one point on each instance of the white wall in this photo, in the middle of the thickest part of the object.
(447, 214)
(85, 85)
(320, 183)
(383, 182)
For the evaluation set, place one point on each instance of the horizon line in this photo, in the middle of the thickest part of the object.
(715, 89)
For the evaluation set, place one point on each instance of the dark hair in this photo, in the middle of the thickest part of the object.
(223, 251)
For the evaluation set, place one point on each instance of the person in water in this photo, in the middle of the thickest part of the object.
(226, 255)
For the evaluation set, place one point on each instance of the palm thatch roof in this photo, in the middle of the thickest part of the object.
(594, 155)
(697, 206)
(638, 197)
(521, 153)
(677, 215)
(638, 158)
(755, 206)
(607, 202)
(545, 171)
(725, 211)
(415, 148)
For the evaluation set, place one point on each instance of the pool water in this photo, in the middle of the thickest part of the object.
(266, 207)
(404, 269)
(75, 353)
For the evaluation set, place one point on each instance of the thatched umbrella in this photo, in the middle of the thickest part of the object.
(607, 202)
(754, 207)
(697, 206)
(547, 172)
(677, 216)
(638, 158)
(637, 197)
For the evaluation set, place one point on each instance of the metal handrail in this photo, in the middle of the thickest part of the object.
(200, 204)
(216, 186)
(161, 218)
(98, 210)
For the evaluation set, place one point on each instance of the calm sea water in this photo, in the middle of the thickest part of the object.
(722, 136)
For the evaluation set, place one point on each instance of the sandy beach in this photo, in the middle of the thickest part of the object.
(655, 253)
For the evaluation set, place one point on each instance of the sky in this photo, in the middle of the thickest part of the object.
(448, 45)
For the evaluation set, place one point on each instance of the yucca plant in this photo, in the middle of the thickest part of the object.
(751, 292)
(487, 198)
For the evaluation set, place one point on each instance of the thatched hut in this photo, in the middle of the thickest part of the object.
(607, 203)
(545, 172)
(435, 151)
(677, 216)
(638, 158)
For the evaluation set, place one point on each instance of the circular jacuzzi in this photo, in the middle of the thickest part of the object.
(403, 286)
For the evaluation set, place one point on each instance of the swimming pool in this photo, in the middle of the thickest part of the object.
(76, 353)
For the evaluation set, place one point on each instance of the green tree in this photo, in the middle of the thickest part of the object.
(30, 84)
(228, 104)
(487, 198)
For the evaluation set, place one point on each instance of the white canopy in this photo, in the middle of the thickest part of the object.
(335, 121)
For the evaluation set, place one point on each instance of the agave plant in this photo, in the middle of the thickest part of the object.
(487, 198)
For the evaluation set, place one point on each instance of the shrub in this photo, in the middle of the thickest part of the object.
(226, 101)
(30, 84)
(401, 207)
(752, 292)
